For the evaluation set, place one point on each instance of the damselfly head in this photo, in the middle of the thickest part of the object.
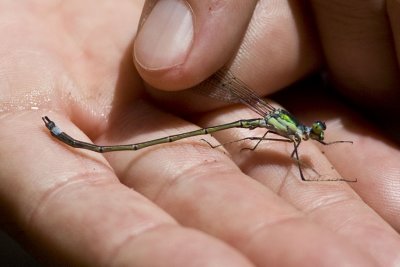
(317, 130)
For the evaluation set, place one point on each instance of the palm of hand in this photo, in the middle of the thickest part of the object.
(78, 205)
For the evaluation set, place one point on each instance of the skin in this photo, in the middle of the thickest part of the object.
(185, 204)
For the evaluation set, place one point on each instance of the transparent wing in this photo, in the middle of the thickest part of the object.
(224, 86)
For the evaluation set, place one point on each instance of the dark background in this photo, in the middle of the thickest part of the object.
(11, 253)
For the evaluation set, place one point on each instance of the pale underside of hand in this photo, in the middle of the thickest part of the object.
(182, 203)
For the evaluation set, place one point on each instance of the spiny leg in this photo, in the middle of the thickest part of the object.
(211, 145)
(263, 138)
(337, 142)
(256, 145)
(295, 156)
(334, 142)
(259, 139)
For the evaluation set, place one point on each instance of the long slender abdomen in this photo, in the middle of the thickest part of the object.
(251, 124)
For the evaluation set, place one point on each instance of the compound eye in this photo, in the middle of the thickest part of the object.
(318, 128)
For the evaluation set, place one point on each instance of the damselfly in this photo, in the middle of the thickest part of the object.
(277, 121)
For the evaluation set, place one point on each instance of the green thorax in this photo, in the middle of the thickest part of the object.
(285, 124)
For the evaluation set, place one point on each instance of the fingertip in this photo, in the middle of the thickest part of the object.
(165, 37)
(180, 43)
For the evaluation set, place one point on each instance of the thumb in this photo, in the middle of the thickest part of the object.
(180, 43)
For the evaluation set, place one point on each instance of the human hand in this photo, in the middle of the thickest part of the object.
(73, 61)
(282, 44)
(77, 206)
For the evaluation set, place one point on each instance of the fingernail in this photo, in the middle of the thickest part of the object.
(166, 36)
